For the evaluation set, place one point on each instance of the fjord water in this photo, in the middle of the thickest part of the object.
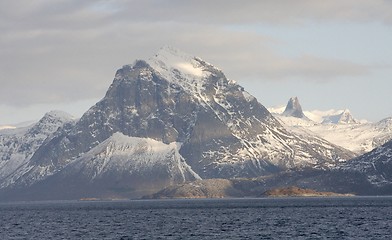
(272, 218)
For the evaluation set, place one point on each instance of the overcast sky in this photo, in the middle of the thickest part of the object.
(331, 54)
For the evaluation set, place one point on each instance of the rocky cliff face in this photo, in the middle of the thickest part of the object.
(223, 131)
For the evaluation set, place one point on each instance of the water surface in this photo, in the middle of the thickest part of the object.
(280, 218)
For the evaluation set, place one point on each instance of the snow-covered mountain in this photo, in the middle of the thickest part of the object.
(359, 138)
(344, 117)
(17, 145)
(112, 156)
(188, 120)
(376, 165)
(119, 166)
(338, 127)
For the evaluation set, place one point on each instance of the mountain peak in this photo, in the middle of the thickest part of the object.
(187, 71)
(169, 62)
(59, 115)
(50, 122)
(344, 117)
(172, 51)
(294, 109)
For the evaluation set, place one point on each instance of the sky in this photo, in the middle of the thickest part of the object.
(63, 54)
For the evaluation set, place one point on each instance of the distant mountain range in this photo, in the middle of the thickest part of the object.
(336, 126)
(294, 109)
(169, 120)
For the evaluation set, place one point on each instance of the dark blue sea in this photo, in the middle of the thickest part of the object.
(280, 218)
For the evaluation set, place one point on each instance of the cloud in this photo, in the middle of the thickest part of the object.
(314, 68)
(271, 11)
(60, 51)
(252, 56)
(201, 12)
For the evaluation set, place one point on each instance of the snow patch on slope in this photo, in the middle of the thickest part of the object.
(174, 65)
(189, 69)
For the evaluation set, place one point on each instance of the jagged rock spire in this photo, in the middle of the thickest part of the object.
(294, 109)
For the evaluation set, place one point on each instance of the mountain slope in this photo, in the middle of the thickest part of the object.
(19, 144)
(376, 165)
(119, 167)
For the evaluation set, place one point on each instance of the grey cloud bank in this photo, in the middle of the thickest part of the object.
(53, 53)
